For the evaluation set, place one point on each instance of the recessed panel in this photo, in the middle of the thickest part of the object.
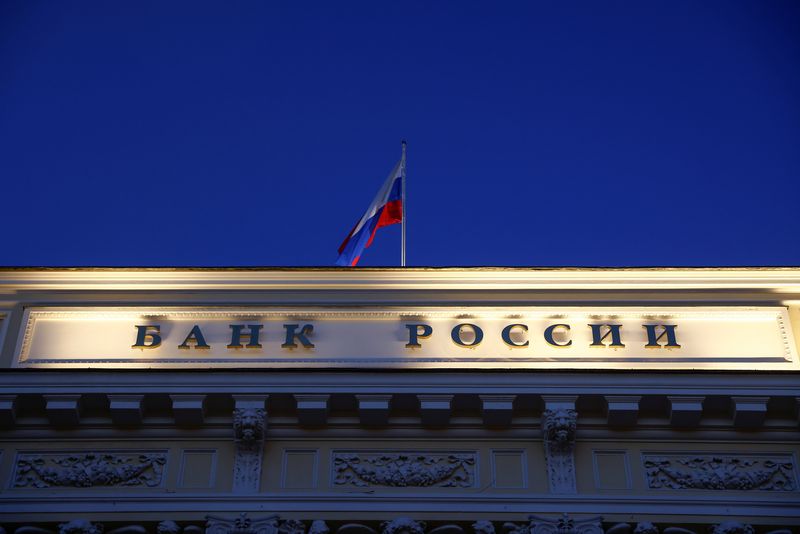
(198, 469)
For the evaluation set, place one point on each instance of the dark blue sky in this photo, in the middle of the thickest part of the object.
(540, 133)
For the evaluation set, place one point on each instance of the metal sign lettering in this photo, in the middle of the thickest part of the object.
(520, 338)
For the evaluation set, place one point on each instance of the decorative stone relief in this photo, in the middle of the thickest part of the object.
(732, 527)
(404, 469)
(483, 527)
(720, 472)
(318, 526)
(242, 525)
(292, 526)
(248, 430)
(558, 431)
(403, 525)
(80, 526)
(562, 525)
(168, 527)
(88, 469)
(645, 527)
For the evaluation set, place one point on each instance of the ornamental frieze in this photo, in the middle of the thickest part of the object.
(89, 469)
(404, 469)
(720, 472)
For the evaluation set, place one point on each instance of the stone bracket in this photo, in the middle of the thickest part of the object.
(685, 411)
(373, 410)
(497, 410)
(63, 410)
(312, 410)
(188, 410)
(749, 412)
(126, 410)
(559, 421)
(622, 410)
(435, 410)
(249, 430)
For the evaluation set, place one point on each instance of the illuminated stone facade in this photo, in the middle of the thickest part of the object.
(414, 401)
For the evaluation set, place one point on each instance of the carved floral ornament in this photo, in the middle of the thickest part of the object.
(720, 473)
(89, 469)
(404, 469)
(273, 524)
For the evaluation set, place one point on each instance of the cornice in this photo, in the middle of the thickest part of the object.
(779, 280)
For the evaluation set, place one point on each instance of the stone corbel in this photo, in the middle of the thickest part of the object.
(8, 410)
(188, 409)
(497, 410)
(249, 429)
(622, 410)
(312, 410)
(126, 410)
(559, 421)
(749, 412)
(685, 411)
(373, 410)
(63, 410)
(435, 410)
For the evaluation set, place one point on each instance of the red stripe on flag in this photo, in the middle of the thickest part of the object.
(392, 213)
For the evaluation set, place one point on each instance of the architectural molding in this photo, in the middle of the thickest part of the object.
(768, 279)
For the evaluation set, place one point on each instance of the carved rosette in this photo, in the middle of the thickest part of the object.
(248, 430)
(720, 473)
(89, 469)
(558, 431)
(401, 469)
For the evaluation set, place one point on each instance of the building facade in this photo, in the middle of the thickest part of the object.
(416, 401)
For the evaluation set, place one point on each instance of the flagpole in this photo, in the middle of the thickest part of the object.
(403, 225)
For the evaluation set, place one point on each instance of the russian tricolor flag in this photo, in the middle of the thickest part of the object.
(385, 209)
